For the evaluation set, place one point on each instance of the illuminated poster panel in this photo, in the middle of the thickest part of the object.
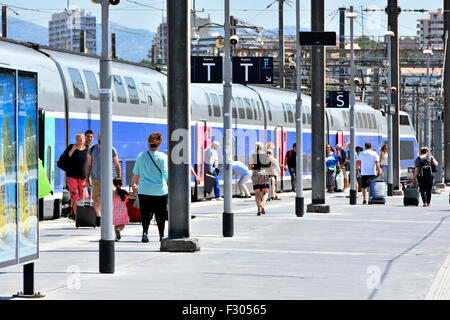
(8, 208)
(27, 167)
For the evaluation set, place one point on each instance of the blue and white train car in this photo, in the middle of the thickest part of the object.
(69, 101)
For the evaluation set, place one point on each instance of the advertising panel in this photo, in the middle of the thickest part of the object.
(27, 167)
(8, 168)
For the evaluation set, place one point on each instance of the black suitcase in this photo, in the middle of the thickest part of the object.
(86, 215)
(411, 196)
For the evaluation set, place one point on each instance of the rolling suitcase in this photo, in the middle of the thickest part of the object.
(86, 214)
(411, 196)
(339, 182)
(377, 191)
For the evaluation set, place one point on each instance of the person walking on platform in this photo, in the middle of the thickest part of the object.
(384, 161)
(76, 172)
(343, 162)
(370, 167)
(425, 165)
(274, 171)
(332, 167)
(151, 172)
(212, 166)
(93, 170)
(291, 161)
(241, 170)
(259, 163)
(120, 212)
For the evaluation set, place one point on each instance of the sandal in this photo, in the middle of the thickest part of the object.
(259, 211)
(262, 210)
(277, 198)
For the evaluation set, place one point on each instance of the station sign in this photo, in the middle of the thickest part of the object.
(317, 38)
(206, 69)
(257, 70)
(337, 99)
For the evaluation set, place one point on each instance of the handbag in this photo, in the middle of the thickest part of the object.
(63, 162)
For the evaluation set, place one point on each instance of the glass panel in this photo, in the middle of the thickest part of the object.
(289, 113)
(208, 101)
(269, 109)
(233, 108)
(366, 124)
(374, 121)
(259, 110)
(78, 87)
(120, 89)
(404, 121)
(248, 109)
(216, 105)
(163, 94)
(241, 108)
(284, 112)
(132, 92)
(92, 85)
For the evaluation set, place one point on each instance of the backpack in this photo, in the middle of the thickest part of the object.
(426, 167)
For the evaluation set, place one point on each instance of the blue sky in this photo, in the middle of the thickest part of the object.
(148, 17)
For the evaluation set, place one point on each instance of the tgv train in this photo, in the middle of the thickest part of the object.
(69, 99)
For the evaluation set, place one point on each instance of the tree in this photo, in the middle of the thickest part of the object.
(367, 43)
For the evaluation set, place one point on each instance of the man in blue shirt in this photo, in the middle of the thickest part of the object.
(240, 169)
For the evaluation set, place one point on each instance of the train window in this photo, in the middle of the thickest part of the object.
(303, 118)
(331, 120)
(404, 121)
(308, 115)
(233, 108)
(78, 87)
(359, 120)
(208, 101)
(371, 122)
(120, 89)
(248, 109)
(241, 108)
(269, 109)
(92, 85)
(215, 104)
(149, 100)
(365, 122)
(163, 94)
(132, 92)
(252, 104)
(284, 112)
(406, 150)
(289, 113)
(374, 121)
(259, 110)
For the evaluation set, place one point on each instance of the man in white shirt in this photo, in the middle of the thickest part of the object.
(211, 164)
(370, 167)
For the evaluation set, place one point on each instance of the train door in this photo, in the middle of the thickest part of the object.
(280, 148)
(202, 143)
(340, 138)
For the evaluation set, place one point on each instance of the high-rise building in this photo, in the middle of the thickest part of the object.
(64, 30)
(431, 30)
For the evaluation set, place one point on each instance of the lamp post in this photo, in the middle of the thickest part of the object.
(428, 52)
(352, 15)
(388, 35)
(299, 199)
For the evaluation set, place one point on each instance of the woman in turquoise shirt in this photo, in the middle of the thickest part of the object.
(150, 170)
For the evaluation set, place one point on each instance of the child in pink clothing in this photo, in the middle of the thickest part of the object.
(120, 213)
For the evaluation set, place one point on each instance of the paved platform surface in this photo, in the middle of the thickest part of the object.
(355, 252)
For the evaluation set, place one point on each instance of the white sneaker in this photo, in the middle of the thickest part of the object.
(219, 199)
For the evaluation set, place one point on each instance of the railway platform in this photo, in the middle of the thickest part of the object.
(355, 252)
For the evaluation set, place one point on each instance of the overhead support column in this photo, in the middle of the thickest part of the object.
(178, 131)
(281, 42)
(393, 10)
(446, 107)
(341, 47)
(318, 112)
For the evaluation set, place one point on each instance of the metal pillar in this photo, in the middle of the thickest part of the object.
(113, 46)
(4, 21)
(106, 252)
(227, 218)
(28, 283)
(341, 46)
(318, 111)
(299, 199)
(389, 118)
(281, 42)
(178, 131)
(353, 190)
(83, 41)
(427, 111)
(376, 88)
(437, 150)
(446, 107)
